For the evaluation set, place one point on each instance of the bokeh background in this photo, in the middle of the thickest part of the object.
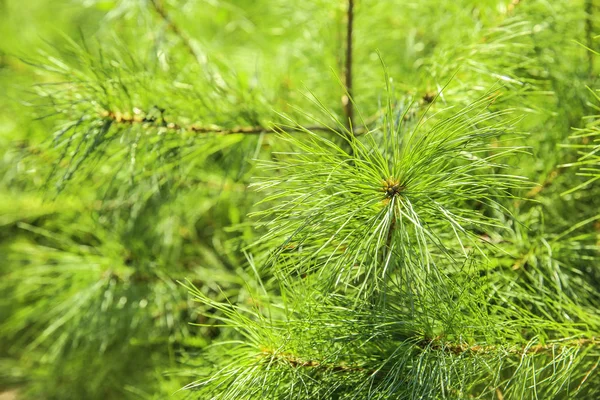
(95, 235)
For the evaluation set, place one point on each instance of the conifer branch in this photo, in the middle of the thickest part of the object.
(454, 348)
(128, 119)
(297, 362)
(433, 344)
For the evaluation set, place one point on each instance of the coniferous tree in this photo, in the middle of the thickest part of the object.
(309, 200)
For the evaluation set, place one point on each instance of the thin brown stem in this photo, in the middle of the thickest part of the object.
(126, 118)
(436, 344)
(347, 98)
(388, 242)
(430, 344)
(298, 362)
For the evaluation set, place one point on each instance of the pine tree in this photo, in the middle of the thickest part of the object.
(349, 199)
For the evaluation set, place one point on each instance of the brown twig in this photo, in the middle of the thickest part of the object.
(461, 348)
(347, 98)
(298, 362)
(127, 118)
(432, 344)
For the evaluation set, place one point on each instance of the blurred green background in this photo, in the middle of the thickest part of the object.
(92, 248)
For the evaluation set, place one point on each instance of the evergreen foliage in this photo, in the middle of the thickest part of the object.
(225, 200)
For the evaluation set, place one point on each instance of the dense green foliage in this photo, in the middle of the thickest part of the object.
(187, 210)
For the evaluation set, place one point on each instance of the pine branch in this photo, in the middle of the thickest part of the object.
(422, 192)
(434, 344)
(437, 344)
(297, 362)
(128, 119)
